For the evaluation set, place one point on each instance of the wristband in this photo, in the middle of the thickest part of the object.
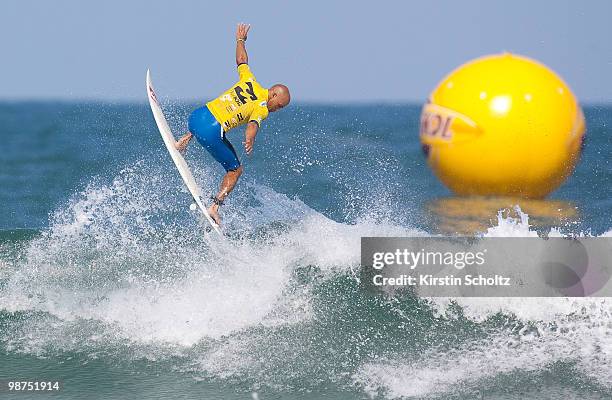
(241, 40)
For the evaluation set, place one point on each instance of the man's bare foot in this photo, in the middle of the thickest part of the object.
(181, 144)
(213, 211)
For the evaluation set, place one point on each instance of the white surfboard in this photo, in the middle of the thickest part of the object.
(178, 159)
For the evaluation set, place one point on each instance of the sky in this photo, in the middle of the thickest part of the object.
(325, 51)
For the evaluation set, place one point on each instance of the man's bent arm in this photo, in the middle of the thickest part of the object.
(241, 37)
(251, 132)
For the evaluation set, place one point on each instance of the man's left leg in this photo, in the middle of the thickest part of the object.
(181, 144)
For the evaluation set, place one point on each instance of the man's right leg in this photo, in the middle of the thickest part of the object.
(209, 133)
(227, 185)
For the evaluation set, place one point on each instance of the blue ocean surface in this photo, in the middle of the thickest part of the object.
(109, 283)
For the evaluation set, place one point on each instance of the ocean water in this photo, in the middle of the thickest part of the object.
(109, 283)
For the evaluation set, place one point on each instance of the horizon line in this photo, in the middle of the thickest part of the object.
(133, 101)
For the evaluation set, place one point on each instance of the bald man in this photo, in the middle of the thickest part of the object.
(246, 102)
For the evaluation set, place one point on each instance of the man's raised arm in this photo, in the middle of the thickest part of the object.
(241, 37)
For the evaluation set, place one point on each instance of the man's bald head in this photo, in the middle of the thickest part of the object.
(278, 97)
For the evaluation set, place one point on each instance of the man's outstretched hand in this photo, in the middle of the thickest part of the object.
(248, 145)
(242, 31)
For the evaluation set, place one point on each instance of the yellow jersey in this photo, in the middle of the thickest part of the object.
(246, 101)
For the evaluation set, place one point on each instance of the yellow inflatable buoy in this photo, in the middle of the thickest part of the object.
(502, 125)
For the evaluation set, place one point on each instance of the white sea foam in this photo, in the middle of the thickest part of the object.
(584, 339)
(577, 331)
(106, 259)
(125, 262)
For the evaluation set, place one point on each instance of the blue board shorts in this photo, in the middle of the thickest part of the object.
(209, 133)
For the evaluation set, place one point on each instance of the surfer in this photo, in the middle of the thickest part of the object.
(246, 102)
